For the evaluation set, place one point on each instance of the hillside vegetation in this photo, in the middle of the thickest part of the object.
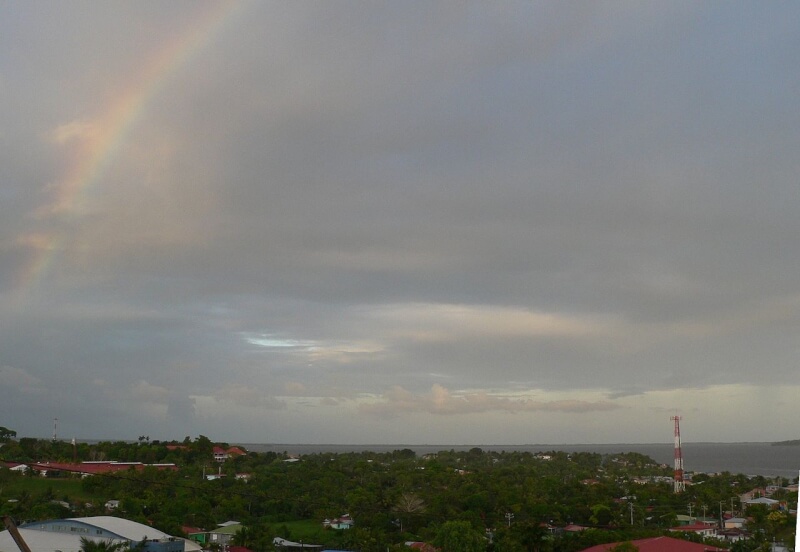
(513, 501)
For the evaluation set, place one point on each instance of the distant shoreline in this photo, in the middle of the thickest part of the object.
(514, 445)
(447, 446)
(751, 458)
(792, 443)
(747, 457)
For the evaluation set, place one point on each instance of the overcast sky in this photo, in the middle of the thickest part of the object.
(400, 222)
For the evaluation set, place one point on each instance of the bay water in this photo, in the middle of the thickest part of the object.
(748, 458)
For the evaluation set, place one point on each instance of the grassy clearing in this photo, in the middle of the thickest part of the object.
(60, 489)
(307, 530)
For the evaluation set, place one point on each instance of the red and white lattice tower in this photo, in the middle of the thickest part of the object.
(680, 486)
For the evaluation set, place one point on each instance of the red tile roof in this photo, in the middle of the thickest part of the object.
(231, 450)
(96, 467)
(422, 546)
(661, 544)
(697, 527)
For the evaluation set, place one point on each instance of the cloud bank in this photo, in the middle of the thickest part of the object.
(399, 223)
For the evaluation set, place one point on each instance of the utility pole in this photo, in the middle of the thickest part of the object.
(630, 505)
(509, 517)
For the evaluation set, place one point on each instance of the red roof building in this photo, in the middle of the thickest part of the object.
(422, 546)
(573, 528)
(660, 544)
(221, 454)
(91, 468)
(699, 528)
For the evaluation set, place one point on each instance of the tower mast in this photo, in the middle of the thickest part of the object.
(679, 485)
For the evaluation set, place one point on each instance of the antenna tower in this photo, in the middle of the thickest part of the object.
(680, 486)
(55, 429)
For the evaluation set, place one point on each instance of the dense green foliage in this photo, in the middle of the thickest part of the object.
(6, 434)
(458, 500)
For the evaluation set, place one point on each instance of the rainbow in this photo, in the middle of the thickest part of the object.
(105, 139)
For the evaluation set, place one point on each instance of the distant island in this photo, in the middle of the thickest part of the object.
(792, 443)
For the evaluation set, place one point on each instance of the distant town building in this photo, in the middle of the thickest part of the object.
(343, 522)
(697, 528)
(112, 505)
(221, 454)
(224, 533)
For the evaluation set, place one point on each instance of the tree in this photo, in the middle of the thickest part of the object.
(88, 545)
(243, 537)
(6, 434)
(203, 446)
(459, 536)
(407, 506)
(601, 515)
(531, 535)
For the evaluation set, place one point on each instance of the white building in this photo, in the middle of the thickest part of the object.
(65, 535)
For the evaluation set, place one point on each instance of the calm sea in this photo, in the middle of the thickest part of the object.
(748, 458)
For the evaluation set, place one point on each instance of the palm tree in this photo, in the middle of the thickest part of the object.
(89, 545)
(408, 505)
(242, 537)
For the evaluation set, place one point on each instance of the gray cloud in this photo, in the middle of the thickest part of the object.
(260, 218)
(441, 400)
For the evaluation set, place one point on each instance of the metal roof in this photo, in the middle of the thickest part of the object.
(44, 541)
(114, 529)
(125, 528)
